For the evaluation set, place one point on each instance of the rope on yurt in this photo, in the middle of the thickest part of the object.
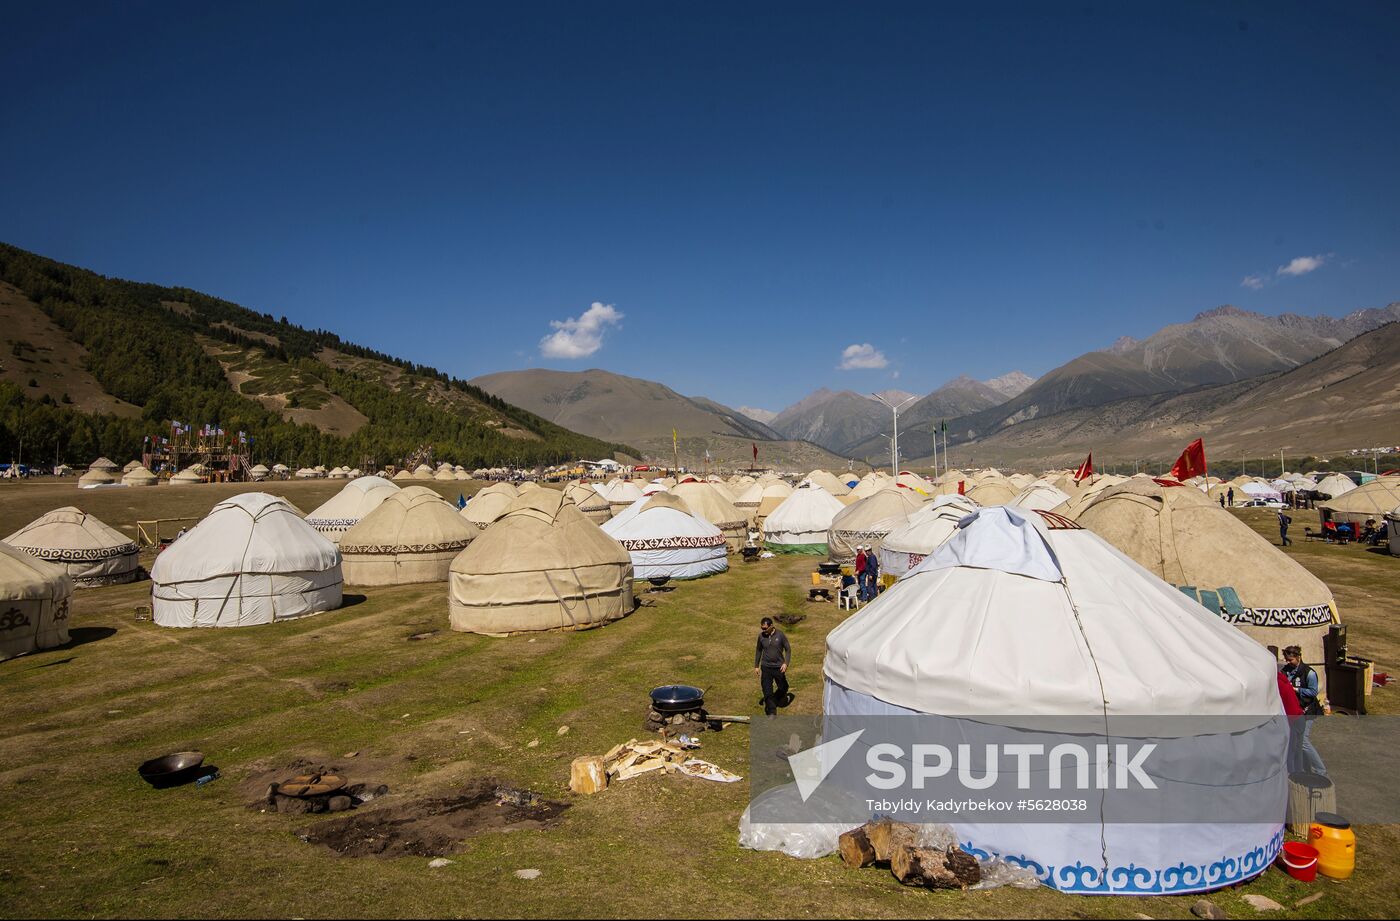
(1103, 703)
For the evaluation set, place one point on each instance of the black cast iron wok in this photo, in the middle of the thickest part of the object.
(676, 698)
(172, 770)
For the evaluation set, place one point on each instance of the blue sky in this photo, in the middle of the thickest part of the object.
(745, 190)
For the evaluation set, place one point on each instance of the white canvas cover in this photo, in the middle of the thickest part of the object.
(1261, 491)
(623, 493)
(344, 510)
(593, 504)
(252, 560)
(412, 536)
(34, 599)
(866, 521)
(1020, 616)
(800, 522)
(828, 481)
(926, 530)
(1333, 486)
(542, 566)
(102, 463)
(489, 504)
(707, 502)
(991, 490)
(665, 541)
(90, 551)
(1371, 501)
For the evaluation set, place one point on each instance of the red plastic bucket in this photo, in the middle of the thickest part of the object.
(1300, 860)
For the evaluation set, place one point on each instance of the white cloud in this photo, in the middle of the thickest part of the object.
(860, 357)
(581, 337)
(1254, 282)
(1302, 265)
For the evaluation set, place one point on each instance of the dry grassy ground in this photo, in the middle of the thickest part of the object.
(85, 836)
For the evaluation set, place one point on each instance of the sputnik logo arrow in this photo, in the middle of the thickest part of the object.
(810, 767)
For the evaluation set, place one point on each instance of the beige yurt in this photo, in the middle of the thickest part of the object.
(621, 494)
(592, 503)
(1369, 502)
(252, 560)
(910, 480)
(992, 490)
(828, 481)
(404, 475)
(868, 520)
(281, 469)
(489, 504)
(411, 536)
(258, 472)
(707, 502)
(131, 465)
(1180, 535)
(727, 492)
(761, 498)
(90, 551)
(309, 473)
(344, 510)
(542, 566)
(1081, 494)
(35, 597)
(423, 472)
(140, 476)
(1041, 497)
(96, 477)
(528, 485)
(186, 477)
(1334, 486)
(102, 463)
(446, 473)
(870, 484)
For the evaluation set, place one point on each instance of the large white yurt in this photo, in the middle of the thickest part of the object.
(1369, 502)
(866, 521)
(1039, 497)
(140, 476)
(541, 566)
(593, 504)
(706, 501)
(666, 541)
(90, 551)
(34, 596)
(926, 530)
(344, 510)
(412, 536)
(800, 523)
(252, 560)
(489, 503)
(1021, 618)
(1179, 535)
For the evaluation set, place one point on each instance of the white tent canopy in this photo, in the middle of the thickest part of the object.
(800, 523)
(252, 560)
(666, 541)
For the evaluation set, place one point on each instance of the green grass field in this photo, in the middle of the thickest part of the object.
(84, 836)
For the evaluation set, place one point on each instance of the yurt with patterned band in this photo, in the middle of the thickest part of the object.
(34, 598)
(412, 536)
(666, 541)
(90, 551)
(344, 510)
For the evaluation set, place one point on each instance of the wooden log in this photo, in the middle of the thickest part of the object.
(856, 849)
(587, 775)
(886, 835)
(718, 718)
(934, 868)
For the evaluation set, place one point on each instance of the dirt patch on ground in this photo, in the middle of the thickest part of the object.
(433, 827)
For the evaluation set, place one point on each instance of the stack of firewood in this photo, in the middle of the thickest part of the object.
(895, 844)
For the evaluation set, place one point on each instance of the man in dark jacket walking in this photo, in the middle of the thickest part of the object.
(770, 662)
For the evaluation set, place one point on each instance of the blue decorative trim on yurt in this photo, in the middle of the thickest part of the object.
(1181, 879)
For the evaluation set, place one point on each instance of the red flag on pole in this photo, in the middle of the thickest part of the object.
(1086, 469)
(961, 485)
(1192, 462)
(755, 449)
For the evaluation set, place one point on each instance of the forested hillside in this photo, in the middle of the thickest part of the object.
(149, 346)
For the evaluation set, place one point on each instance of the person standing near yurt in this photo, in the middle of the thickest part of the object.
(872, 574)
(1283, 522)
(860, 571)
(771, 657)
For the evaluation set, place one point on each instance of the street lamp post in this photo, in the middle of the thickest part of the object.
(894, 442)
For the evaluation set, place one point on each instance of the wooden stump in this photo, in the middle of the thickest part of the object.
(934, 868)
(587, 775)
(886, 835)
(856, 849)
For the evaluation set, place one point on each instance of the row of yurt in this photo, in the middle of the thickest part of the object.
(761, 498)
(865, 521)
(666, 541)
(1370, 502)
(344, 510)
(1179, 535)
(1022, 617)
(707, 501)
(35, 597)
(413, 535)
(90, 551)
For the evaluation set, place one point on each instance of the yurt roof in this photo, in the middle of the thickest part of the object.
(992, 491)
(96, 475)
(885, 510)
(541, 530)
(1180, 535)
(251, 532)
(808, 509)
(102, 463)
(828, 481)
(1334, 485)
(1375, 498)
(131, 465)
(404, 475)
(259, 468)
(706, 501)
(70, 529)
(659, 517)
(355, 500)
(930, 526)
(1007, 594)
(486, 507)
(1040, 496)
(586, 498)
(24, 577)
(138, 473)
(413, 519)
